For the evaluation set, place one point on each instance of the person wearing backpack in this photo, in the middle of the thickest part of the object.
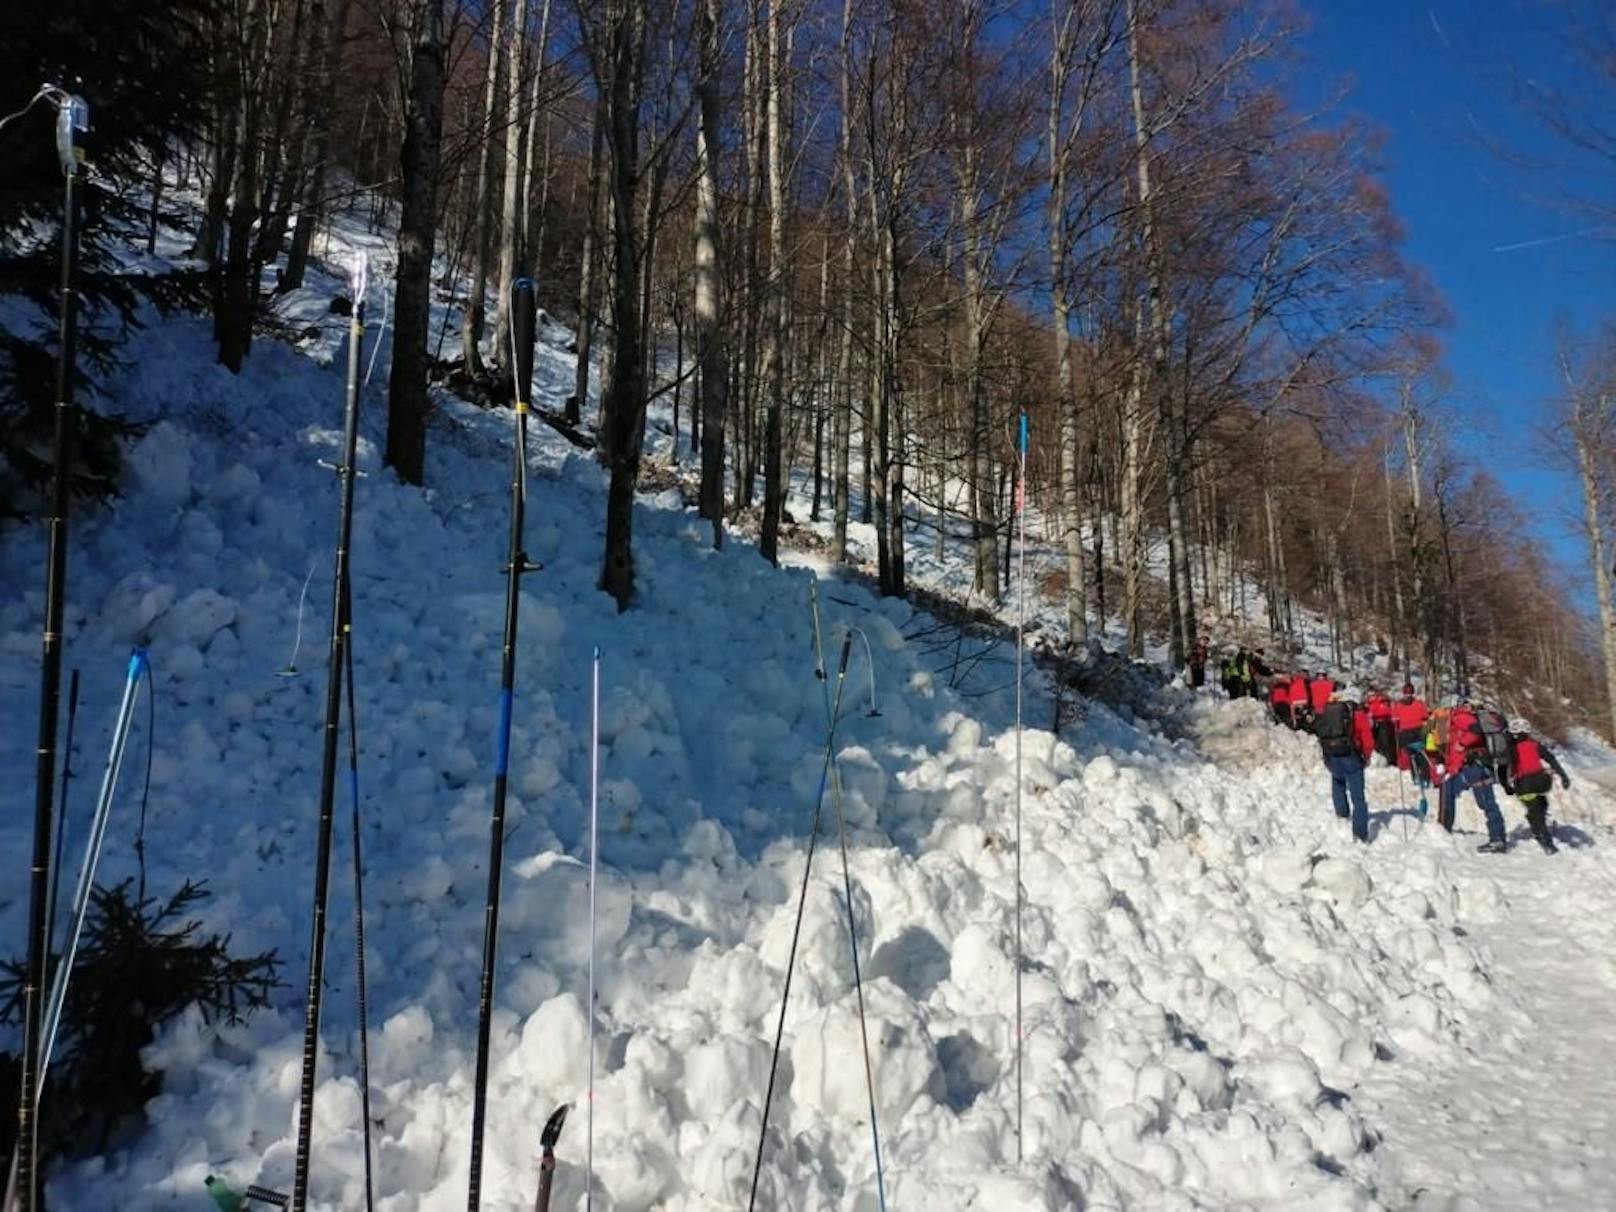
(1301, 703)
(1319, 691)
(1279, 700)
(1226, 676)
(1434, 745)
(1527, 778)
(1257, 670)
(1381, 724)
(1242, 673)
(1198, 656)
(1468, 766)
(1345, 743)
(1408, 717)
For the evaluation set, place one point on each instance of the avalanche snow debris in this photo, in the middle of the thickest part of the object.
(1227, 1003)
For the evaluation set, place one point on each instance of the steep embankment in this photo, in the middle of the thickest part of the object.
(1225, 1003)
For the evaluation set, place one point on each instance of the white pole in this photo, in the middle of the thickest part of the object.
(594, 847)
(138, 667)
(1021, 625)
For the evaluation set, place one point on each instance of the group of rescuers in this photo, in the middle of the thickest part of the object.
(1455, 748)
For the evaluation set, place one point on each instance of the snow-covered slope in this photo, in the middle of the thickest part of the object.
(1226, 1003)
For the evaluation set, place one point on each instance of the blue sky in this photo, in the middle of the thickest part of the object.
(1432, 76)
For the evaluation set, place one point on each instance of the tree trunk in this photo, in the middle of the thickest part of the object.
(1416, 557)
(894, 436)
(711, 330)
(1069, 463)
(1182, 637)
(624, 411)
(236, 299)
(876, 436)
(534, 208)
(226, 130)
(1132, 505)
(774, 352)
(471, 325)
(512, 212)
(842, 424)
(1399, 640)
(820, 392)
(1461, 661)
(586, 278)
(284, 187)
(417, 232)
(984, 515)
(156, 201)
(319, 147)
(1598, 559)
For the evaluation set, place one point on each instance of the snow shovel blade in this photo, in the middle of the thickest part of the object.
(552, 1126)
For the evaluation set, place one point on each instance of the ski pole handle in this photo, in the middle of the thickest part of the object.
(523, 315)
(358, 280)
(847, 648)
(1023, 435)
(72, 120)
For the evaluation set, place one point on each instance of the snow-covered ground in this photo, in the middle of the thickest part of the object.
(1226, 1003)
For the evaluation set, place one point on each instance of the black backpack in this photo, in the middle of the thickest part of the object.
(1499, 752)
(1333, 728)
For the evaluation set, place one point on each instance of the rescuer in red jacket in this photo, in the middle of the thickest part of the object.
(1279, 699)
(1382, 724)
(1319, 691)
(1345, 743)
(1466, 768)
(1528, 778)
(1301, 704)
(1409, 715)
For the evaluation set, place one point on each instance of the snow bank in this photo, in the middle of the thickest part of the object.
(1213, 976)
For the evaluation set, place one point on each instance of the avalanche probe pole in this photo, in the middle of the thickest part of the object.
(594, 871)
(359, 920)
(72, 119)
(63, 972)
(1021, 625)
(336, 669)
(802, 903)
(522, 320)
(139, 667)
(847, 879)
(61, 814)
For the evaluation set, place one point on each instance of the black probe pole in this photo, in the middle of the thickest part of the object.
(72, 119)
(522, 322)
(328, 763)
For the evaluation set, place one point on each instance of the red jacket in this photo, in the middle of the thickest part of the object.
(1279, 692)
(1380, 708)
(1298, 690)
(1464, 736)
(1363, 734)
(1320, 690)
(1409, 714)
(1359, 730)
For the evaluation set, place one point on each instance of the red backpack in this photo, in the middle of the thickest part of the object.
(1530, 777)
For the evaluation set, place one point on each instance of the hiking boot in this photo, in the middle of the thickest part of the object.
(1547, 842)
(1497, 846)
